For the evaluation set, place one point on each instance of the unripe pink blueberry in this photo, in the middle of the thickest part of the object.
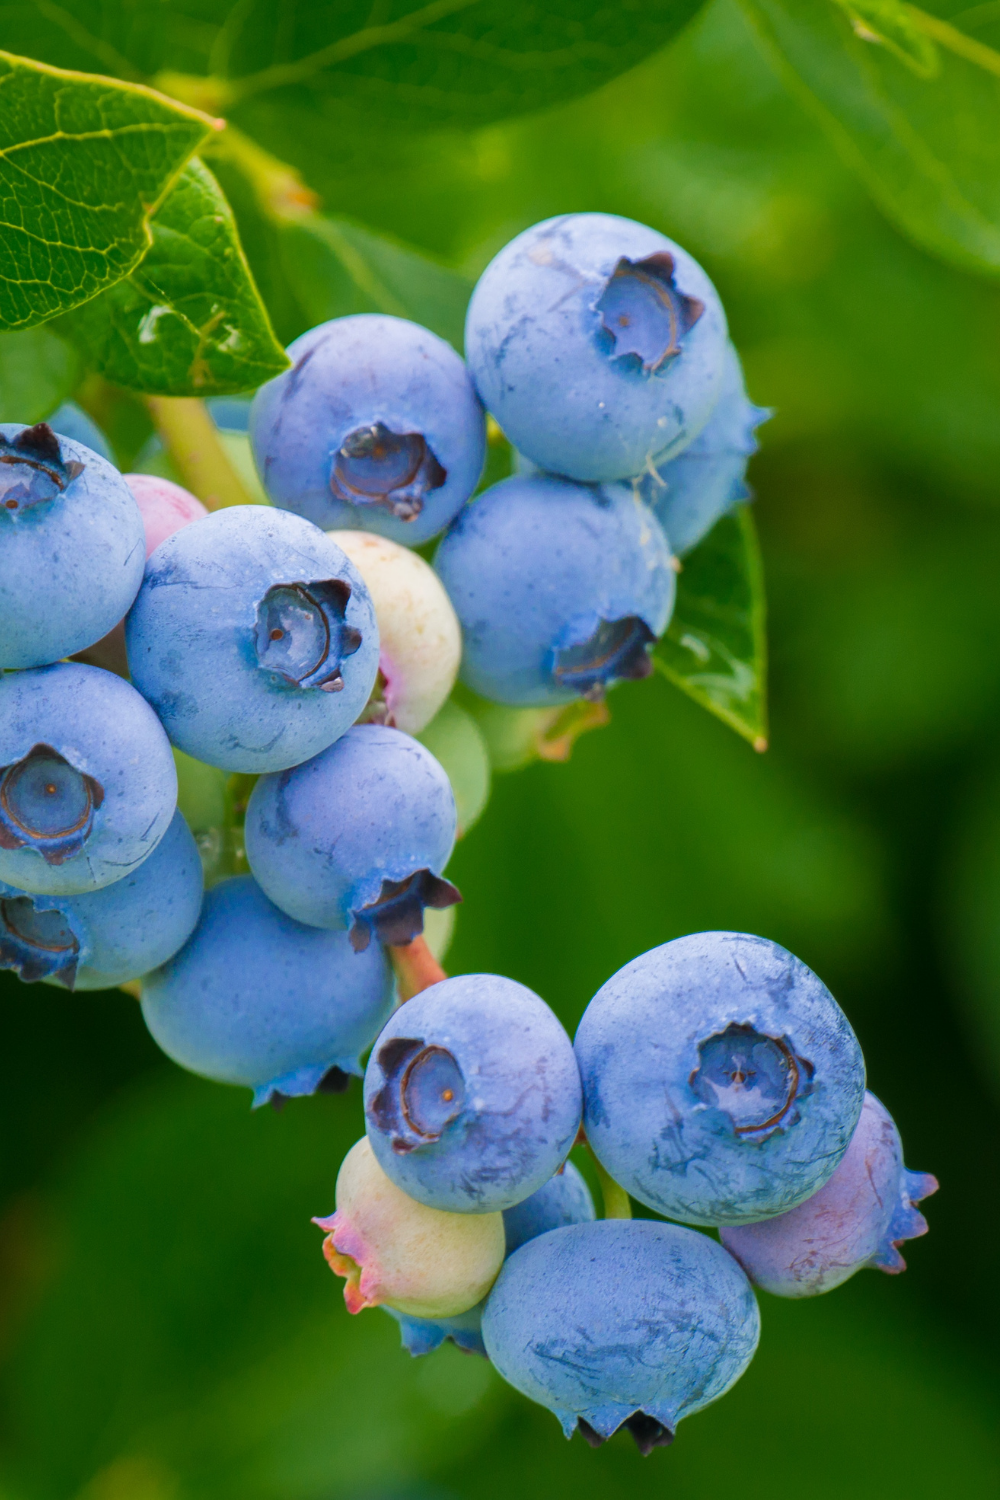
(860, 1217)
(395, 1252)
(419, 634)
(164, 506)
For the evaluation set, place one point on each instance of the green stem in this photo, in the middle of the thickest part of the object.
(616, 1201)
(192, 440)
(955, 41)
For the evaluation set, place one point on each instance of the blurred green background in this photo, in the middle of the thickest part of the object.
(168, 1328)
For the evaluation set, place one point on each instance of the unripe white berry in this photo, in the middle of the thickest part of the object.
(398, 1253)
(421, 642)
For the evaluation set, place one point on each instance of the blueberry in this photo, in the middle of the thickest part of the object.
(564, 1199)
(375, 427)
(689, 493)
(357, 837)
(120, 932)
(396, 1253)
(722, 1081)
(165, 507)
(472, 1096)
(454, 738)
(560, 589)
(858, 1218)
(621, 1323)
(71, 546)
(256, 998)
(254, 638)
(597, 343)
(87, 780)
(420, 642)
(71, 421)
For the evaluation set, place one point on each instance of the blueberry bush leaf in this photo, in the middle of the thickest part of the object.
(338, 267)
(300, 78)
(37, 372)
(188, 321)
(715, 648)
(911, 102)
(83, 162)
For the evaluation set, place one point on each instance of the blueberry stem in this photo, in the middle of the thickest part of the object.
(617, 1204)
(415, 966)
(192, 440)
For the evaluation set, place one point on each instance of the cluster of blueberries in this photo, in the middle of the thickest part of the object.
(289, 655)
(716, 1080)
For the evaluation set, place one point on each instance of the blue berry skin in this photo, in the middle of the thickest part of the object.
(564, 1199)
(72, 546)
(255, 998)
(598, 344)
(71, 421)
(87, 780)
(357, 837)
(376, 427)
(722, 1081)
(424, 1335)
(621, 1322)
(689, 493)
(560, 589)
(254, 638)
(472, 1095)
(120, 932)
(860, 1217)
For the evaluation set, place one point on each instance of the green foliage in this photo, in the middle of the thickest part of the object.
(83, 161)
(913, 105)
(715, 647)
(188, 320)
(37, 372)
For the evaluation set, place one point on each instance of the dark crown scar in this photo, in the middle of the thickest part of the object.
(392, 470)
(645, 312)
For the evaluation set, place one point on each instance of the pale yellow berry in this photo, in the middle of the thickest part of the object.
(421, 642)
(396, 1252)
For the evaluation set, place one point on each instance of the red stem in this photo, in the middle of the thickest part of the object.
(416, 967)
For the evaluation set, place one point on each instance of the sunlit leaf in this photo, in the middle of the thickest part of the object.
(188, 320)
(912, 103)
(83, 161)
(715, 648)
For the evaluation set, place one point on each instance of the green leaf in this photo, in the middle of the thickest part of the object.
(912, 104)
(715, 648)
(188, 321)
(37, 372)
(83, 161)
(336, 267)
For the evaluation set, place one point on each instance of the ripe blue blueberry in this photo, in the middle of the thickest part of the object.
(722, 1081)
(72, 546)
(689, 493)
(120, 932)
(472, 1095)
(254, 638)
(621, 1323)
(376, 427)
(560, 589)
(256, 998)
(71, 421)
(564, 1199)
(87, 780)
(357, 837)
(597, 343)
(858, 1218)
